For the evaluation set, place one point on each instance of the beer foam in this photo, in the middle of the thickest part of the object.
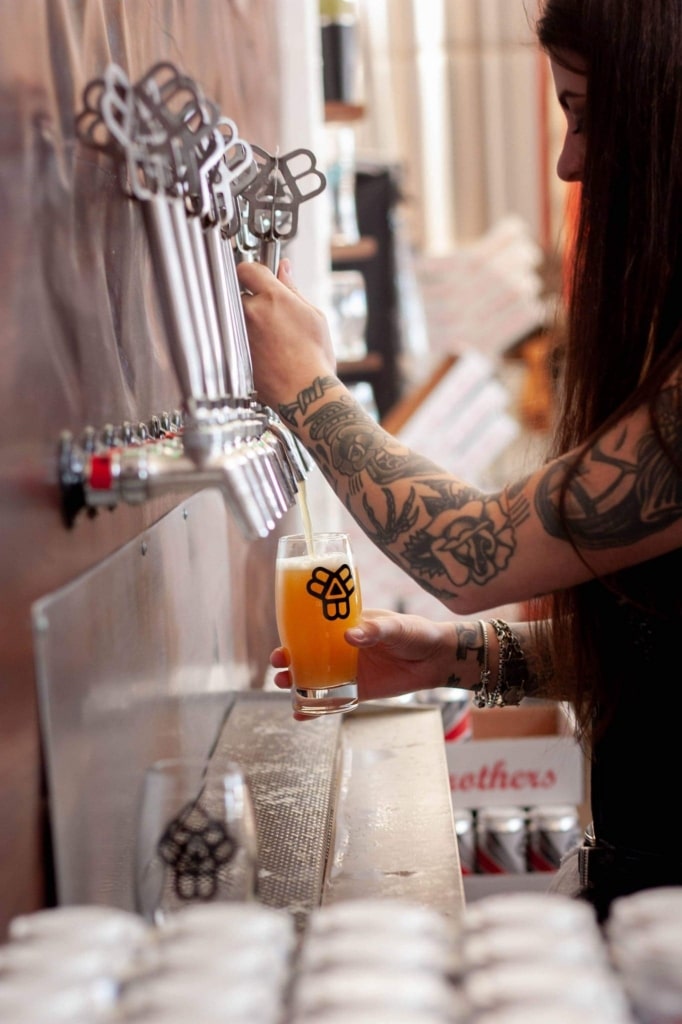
(306, 563)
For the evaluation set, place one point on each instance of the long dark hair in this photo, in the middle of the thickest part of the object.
(624, 315)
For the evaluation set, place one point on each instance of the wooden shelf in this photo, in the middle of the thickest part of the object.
(398, 416)
(363, 249)
(334, 110)
(360, 369)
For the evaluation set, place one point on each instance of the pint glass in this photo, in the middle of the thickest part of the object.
(317, 600)
(196, 837)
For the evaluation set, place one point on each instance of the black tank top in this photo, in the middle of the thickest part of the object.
(635, 772)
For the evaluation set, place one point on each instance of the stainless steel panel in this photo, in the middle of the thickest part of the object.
(136, 660)
(394, 834)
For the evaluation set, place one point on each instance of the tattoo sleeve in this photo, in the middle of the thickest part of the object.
(291, 412)
(641, 492)
(444, 534)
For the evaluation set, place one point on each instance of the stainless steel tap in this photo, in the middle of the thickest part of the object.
(208, 198)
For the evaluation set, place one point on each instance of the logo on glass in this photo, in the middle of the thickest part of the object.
(195, 846)
(333, 588)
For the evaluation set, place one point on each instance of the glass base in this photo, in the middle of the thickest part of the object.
(326, 701)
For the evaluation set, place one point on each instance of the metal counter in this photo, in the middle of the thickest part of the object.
(394, 834)
(352, 806)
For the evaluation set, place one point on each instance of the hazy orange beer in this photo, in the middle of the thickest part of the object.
(317, 599)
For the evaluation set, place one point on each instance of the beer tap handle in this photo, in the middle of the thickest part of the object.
(171, 279)
(274, 196)
(192, 277)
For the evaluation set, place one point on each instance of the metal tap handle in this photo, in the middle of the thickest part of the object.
(243, 352)
(171, 278)
(274, 196)
(224, 309)
(196, 292)
(269, 253)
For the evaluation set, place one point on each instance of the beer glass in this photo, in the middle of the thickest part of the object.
(196, 837)
(317, 600)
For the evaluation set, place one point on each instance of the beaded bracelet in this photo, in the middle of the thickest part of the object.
(512, 672)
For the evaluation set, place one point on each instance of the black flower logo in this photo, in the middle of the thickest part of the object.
(333, 588)
(195, 846)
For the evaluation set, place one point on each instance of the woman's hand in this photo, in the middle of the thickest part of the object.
(288, 337)
(397, 654)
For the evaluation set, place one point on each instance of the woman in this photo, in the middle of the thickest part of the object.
(590, 542)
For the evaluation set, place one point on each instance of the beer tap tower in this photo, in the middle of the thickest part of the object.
(209, 199)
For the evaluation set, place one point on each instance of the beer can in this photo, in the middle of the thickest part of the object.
(457, 717)
(466, 839)
(553, 830)
(501, 840)
(455, 706)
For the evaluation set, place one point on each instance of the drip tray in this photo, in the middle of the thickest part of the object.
(347, 806)
(291, 770)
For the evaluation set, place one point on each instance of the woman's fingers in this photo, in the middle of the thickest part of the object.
(254, 277)
(279, 659)
(283, 679)
(405, 637)
(377, 627)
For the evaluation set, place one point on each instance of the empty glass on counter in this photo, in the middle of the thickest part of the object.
(317, 600)
(196, 837)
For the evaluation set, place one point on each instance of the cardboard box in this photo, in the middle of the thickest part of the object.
(524, 756)
(531, 718)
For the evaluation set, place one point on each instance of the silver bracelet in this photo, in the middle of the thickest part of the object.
(512, 672)
(481, 695)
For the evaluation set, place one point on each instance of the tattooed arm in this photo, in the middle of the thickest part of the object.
(470, 549)
(399, 654)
